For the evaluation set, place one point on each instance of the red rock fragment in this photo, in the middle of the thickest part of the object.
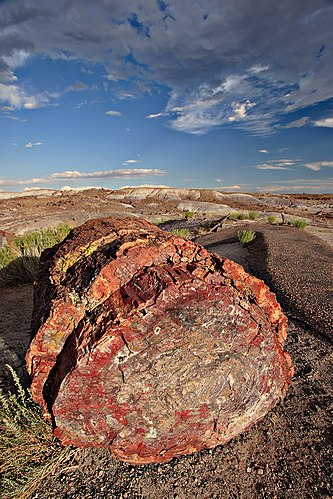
(150, 345)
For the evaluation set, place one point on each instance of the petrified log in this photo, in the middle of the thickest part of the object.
(150, 345)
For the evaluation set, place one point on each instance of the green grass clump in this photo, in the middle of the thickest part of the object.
(33, 243)
(19, 262)
(237, 215)
(272, 220)
(28, 451)
(188, 214)
(253, 215)
(299, 223)
(246, 237)
(181, 232)
(7, 254)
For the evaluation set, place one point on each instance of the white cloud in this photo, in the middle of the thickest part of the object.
(33, 104)
(240, 110)
(130, 161)
(153, 116)
(318, 165)
(15, 98)
(263, 151)
(113, 113)
(258, 69)
(218, 180)
(277, 164)
(29, 145)
(271, 167)
(130, 173)
(324, 122)
(12, 95)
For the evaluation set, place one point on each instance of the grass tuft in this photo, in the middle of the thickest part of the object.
(253, 215)
(272, 220)
(246, 237)
(28, 451)
(188, 214)
(181, 232)
(237, 215)
(299, 223)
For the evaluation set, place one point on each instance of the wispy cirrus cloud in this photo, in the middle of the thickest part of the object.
(278, 164)
(298, 123)
(298, 185)
(129, 173)
(318, 165)
(12, 117)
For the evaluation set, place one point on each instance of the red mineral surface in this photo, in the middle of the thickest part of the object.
(150, 345)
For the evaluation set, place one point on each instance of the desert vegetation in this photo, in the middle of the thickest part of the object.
(246, 237)
(237, 215)
(181, 232)
(28, 451)
(19, 260)
(299, 223)
(188, 214)
(253, 215)
(272, 219)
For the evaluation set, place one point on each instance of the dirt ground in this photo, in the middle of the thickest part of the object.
(287, 455)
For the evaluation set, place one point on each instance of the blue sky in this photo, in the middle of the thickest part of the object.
(228, 94)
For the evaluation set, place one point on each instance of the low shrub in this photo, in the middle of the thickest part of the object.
(188, 214)
(28, 451)
(272, 220)
(246, 237)
(253, 215)
(181, 232)
(299, 223)
(237, 215)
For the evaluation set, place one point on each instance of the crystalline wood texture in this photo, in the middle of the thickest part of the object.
(150, 345)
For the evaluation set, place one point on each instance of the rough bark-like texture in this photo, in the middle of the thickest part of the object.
(150, 345)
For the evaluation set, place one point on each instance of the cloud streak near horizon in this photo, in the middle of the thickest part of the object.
(220, 68)
(129, 173)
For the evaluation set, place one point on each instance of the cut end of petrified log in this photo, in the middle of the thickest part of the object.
(150, 345)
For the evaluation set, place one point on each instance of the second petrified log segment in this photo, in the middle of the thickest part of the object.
(150, 345)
